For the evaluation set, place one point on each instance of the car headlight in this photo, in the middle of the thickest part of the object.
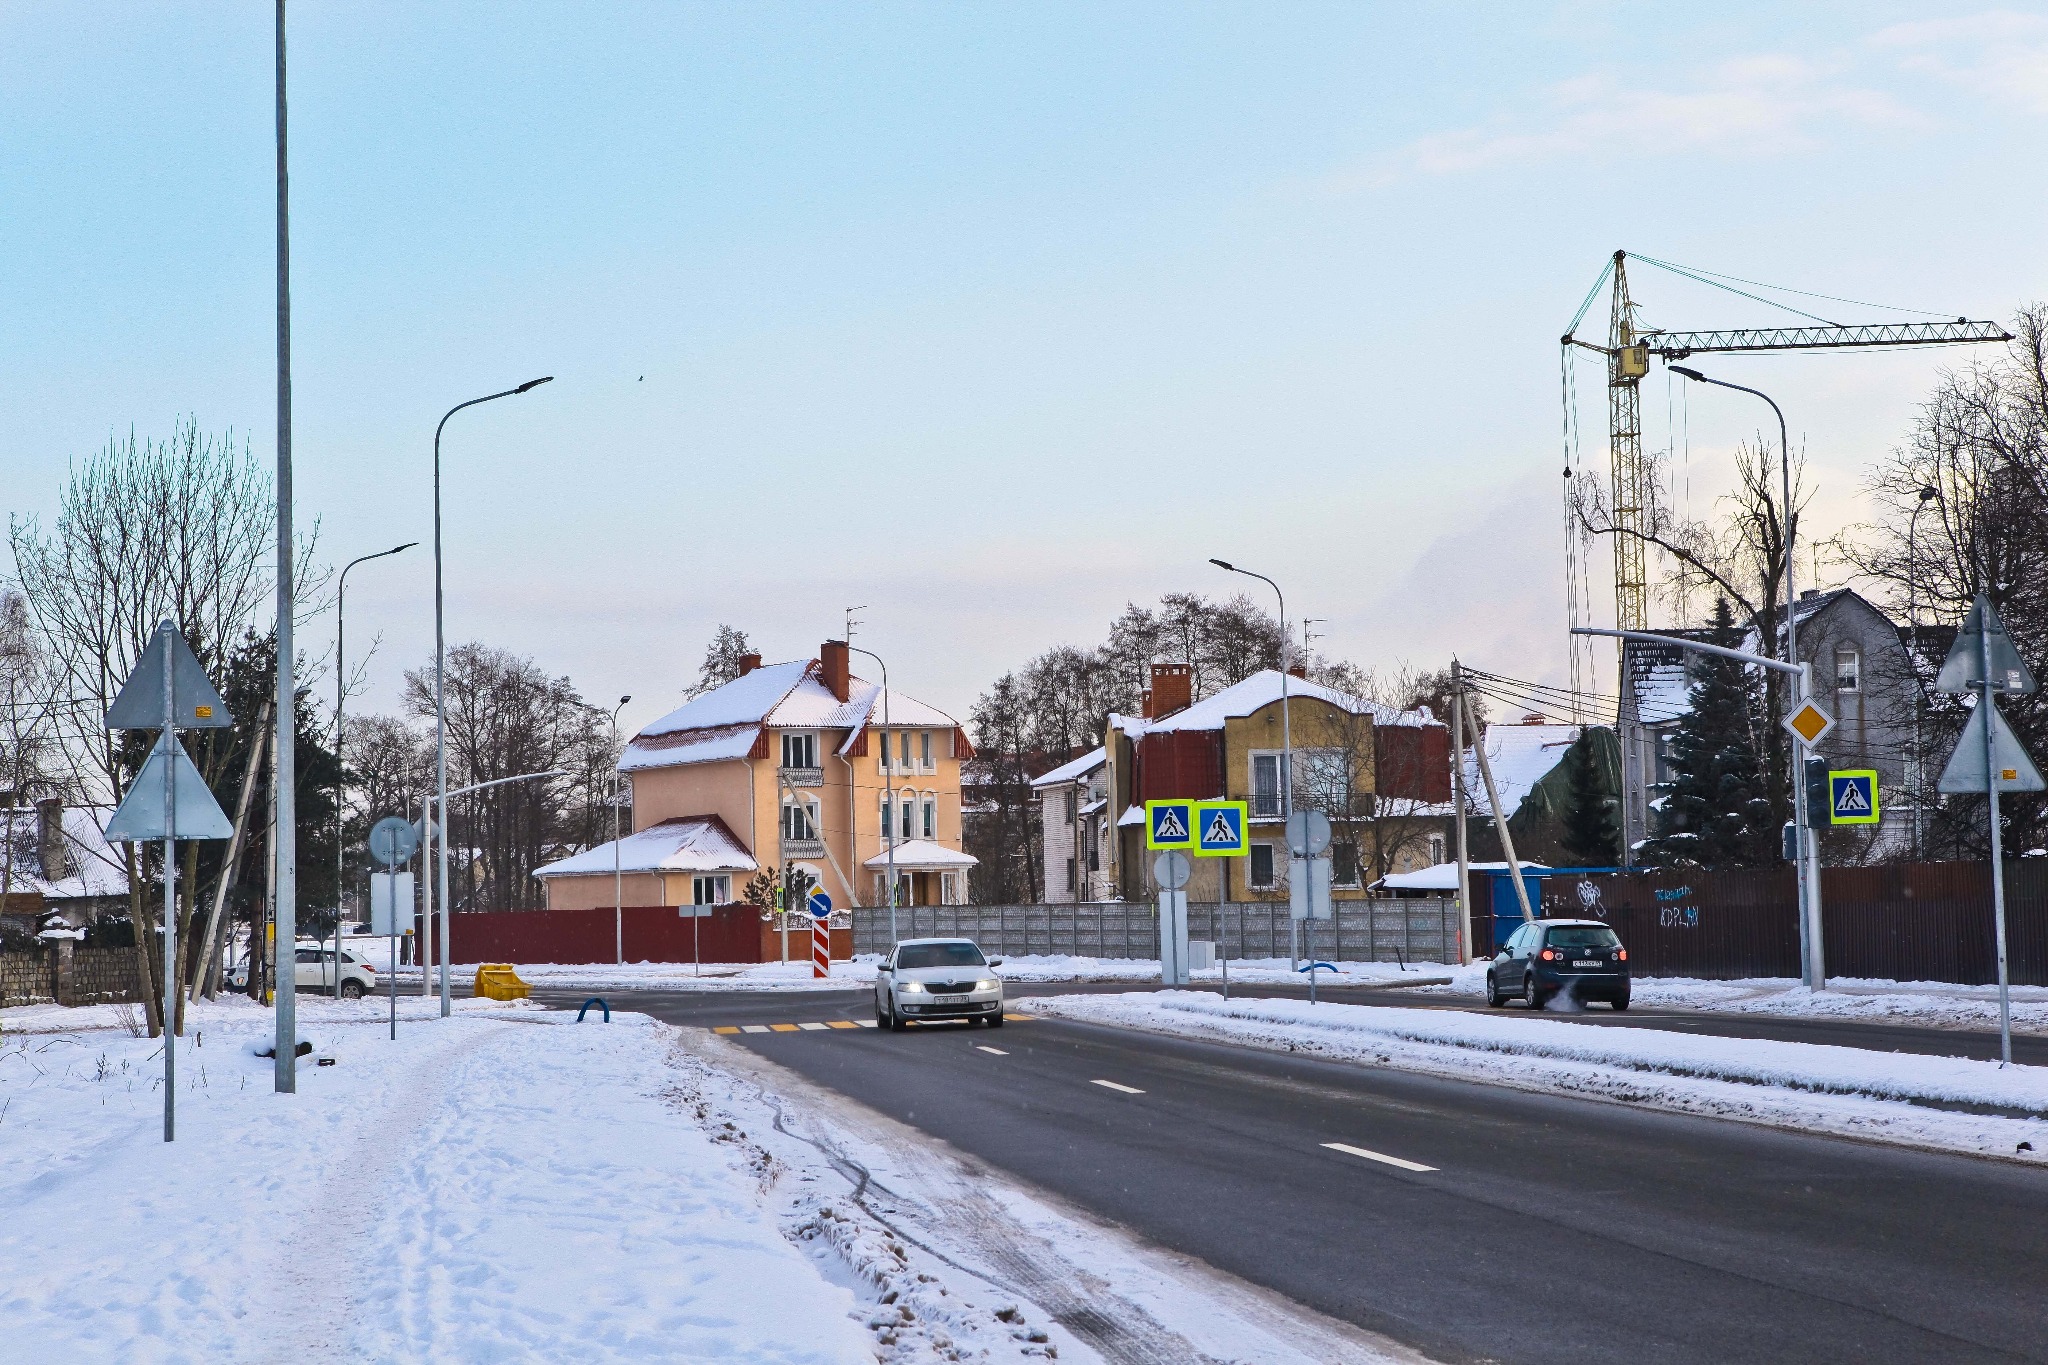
(910, 987)
(988, 985)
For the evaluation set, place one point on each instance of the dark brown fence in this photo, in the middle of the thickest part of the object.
(1906, 922)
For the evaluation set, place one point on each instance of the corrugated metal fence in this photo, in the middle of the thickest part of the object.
(1419, 930)
(1901, 922)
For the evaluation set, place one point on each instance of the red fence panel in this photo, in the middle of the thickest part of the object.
(653, 933)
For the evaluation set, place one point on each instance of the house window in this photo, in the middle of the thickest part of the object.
(909, 817)
(924, 750)
(799, 751)
(949, 888)
(1265, 785)
(885, 749)
(1436, 848)
(1071, 882)
(800, 820)
(711, 890)
(1343, 864)
(888, 820)
(931, 818)
(1073, 804)
(1259, 867)
(1848, 670)
(903, 750)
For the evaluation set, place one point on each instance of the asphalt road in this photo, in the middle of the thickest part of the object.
(1548, 1229)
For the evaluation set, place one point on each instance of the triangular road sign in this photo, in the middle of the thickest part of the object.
(141, 815)
(140, 706)
(1221, 829)
(1963, 670)
(1965, 771)
(1170, 826)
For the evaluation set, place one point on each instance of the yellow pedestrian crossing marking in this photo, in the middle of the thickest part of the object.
(824, 1026)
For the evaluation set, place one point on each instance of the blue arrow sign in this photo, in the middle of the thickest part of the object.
(820, 905)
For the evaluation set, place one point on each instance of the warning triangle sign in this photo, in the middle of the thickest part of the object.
(1221, 830)
(141, 814)
(1850, 800)
(1966, 771)
(1984, 634)
(1169, 826)
(140, 704)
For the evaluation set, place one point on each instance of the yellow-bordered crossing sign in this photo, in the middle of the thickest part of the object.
(1222, 829)
(1169, 824)
(1852, 797)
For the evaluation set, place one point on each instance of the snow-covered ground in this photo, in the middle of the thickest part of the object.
(1852, 1091)
(504, 1185)
(860, 973)
(1933, 1004)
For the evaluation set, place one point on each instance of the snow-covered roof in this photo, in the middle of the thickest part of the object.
(688, 843)
(1073, 770)
(1260, 690)
(1520, 756)
(1133, 815)
(1444, 876)
(94, 867)
(922, 855)
(725, 722)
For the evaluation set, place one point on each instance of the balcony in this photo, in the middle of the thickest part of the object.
(803, 777)
(803, 848)
(1266, 806)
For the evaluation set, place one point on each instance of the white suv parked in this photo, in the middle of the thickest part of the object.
(314, 971)
(938, 978)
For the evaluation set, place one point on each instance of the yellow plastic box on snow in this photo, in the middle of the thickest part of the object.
(498, 981)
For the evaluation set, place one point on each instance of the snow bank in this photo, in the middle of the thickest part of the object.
(1801, 1084)
(502, 1185)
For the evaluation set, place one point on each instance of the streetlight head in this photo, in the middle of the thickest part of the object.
(624, 700)
(396, 548)
(534, 383)
(1689, 372)
(1224, 564)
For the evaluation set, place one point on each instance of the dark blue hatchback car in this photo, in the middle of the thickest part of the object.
(1581, 959)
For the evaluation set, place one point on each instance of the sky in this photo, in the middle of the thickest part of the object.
(988, 318)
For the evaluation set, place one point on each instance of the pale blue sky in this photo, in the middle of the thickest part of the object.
(988, 316)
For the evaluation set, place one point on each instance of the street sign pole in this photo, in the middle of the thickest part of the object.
(1997, 854)
(170, 894)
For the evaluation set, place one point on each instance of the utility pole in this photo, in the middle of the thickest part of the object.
(1466, 933)
(284, 803)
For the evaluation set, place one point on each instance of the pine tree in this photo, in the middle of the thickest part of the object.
(1592, 834)
(1716, 811)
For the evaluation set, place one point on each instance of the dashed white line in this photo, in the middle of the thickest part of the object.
(754, 1028)
(865, 1023)
(991, 1051)
(1373, 1156)
(813, 1028)
(1121, 1089)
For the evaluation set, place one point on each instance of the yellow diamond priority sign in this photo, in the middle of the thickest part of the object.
(1809, 722)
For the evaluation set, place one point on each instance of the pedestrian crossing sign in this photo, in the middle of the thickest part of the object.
(1169, 824)
(1220, 829)
(1852, 797)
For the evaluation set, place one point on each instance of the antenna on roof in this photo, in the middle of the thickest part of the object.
(852, 621)
(1307, 634)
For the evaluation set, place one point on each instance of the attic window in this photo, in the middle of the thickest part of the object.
(1848, 670)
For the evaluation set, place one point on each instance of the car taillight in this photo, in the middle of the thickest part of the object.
(1549, 956)
(1621, 954)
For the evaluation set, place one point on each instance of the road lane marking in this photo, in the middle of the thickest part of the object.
(865, 1023)
(782, 1028)
(754, 1028)
(812, 1028)
(842, 1023)
(1122, 1089)
(726, 1028)
(992, 1051)
(1007, 1015)
(1371, 1156)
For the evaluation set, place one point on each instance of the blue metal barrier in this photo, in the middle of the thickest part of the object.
(598, 1001)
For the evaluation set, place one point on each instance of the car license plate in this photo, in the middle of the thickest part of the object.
(1587, 962)
(952, 999)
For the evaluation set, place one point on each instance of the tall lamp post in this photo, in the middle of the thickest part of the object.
(888, 793)
(1286, 725)
(441, 670)
(1809, 845)
(1927, 494)
(618, 880)
(340, 696)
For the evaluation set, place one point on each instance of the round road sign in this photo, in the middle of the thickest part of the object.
(1308, 833)
(393, 839)
(820, 905)
(1173, 868)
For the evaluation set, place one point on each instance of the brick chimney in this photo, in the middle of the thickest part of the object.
(50, 851)
(1145, 703)
(1298, 671)
(833, 663)
(1173, 689)
(748, 663)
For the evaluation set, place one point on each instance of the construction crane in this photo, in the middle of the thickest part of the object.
(1628, 353)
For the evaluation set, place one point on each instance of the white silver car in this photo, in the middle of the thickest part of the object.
(314, 971)
(938, 978)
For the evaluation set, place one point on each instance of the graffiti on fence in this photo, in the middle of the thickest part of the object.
(1671, 916)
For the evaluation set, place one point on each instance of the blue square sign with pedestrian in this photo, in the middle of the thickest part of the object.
(1852, 797)
(1220, 829)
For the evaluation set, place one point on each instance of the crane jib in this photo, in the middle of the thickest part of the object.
(1678, 345)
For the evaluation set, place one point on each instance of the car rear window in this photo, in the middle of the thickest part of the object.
(940, 955)
(1584, 936)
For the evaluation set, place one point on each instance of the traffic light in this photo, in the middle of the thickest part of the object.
(1817, 792)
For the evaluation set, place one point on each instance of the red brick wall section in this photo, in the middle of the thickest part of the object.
(654, 933)
(1413, 761)
(1179, 763)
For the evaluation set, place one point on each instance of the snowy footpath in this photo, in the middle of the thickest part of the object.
(508, 1185)
(1944, 1103)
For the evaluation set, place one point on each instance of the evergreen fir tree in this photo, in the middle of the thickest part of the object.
(1592, 833)
(1716, 811)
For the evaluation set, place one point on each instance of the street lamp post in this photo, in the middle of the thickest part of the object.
(1286, 733)
(441, 670)
(340, 696)
(618, 881)
(1809, 844)
(1927, 495)
(888, 794)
